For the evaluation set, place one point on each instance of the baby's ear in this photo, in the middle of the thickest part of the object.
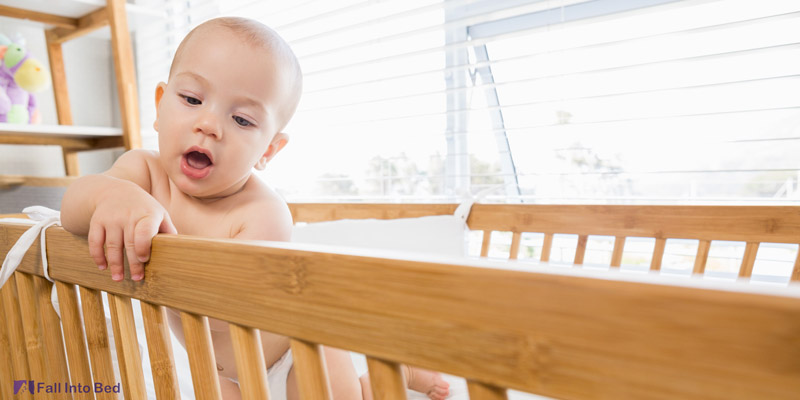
(160, 88)
(278, 142)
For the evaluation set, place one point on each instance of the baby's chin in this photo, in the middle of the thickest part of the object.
(197, 188)
(204, 190)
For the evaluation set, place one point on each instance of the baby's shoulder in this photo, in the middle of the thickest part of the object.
(264, 213)
(139, 154)
(138, 165)
(138, 160)
(261, 196)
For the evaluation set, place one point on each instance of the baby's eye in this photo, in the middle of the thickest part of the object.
(191, 100)
(241, 121)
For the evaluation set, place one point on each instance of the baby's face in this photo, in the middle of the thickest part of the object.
(218, 115)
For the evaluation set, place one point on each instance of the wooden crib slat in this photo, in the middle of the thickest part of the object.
(487, 238)
(6, 372)
(658, 254)
(580, 251)
(516, 238)
(128, 357)
(386, 379)
(616, 254)
(51, 331)
(250, 364)
(796, 270)
(31, 325)
(547, 244)
(482, 391)
(202, 362)
(702, 256)
(94, 322)
(312, 376)
(749, 259)
(73, 337)
(16, 334)
(159, 348)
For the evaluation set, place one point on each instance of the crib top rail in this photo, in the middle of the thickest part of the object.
(777, 224)
(553, 334)
(319, 212)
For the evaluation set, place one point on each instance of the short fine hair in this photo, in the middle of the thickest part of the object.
(261, 36)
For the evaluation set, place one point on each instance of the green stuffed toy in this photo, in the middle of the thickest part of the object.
(20, 77)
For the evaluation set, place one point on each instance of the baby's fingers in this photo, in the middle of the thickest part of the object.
(143, 234)
(167, 226)
(96, 239)
(114, 246)
(136, 266)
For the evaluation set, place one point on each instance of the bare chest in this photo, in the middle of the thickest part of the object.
(217, 220)
(203, 221)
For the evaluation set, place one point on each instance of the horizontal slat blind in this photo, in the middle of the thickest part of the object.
(557, 101)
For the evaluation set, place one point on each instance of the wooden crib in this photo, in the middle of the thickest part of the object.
(563, 333)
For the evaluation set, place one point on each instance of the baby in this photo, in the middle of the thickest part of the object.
(233, 86)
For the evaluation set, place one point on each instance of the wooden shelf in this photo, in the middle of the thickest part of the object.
(72, 131)
(62, 21)
(67, 14)
(67, 136)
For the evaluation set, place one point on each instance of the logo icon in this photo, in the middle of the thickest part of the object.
(23, 386)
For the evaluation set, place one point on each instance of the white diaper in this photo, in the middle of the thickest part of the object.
(277, 375)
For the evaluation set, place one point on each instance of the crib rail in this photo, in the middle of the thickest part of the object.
(318, 212)
(752, 225)
(566, 335)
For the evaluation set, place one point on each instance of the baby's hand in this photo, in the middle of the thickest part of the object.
(126, 220)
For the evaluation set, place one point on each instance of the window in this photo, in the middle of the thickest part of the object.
(604, 101)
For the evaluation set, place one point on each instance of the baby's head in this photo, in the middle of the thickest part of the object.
(233, 86)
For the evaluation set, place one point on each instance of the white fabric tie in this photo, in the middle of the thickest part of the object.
(463, 209)
(41, 218)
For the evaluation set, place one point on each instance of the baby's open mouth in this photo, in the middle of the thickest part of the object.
(197, 160)
(197, 163)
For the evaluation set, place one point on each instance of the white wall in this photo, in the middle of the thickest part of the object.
(92, 94)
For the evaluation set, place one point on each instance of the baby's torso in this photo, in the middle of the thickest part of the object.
(219, 220)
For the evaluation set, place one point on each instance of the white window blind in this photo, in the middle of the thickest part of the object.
(603, 101)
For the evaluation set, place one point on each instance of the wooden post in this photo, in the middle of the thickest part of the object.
(32, 327)
(12, 325)
(159, 346)
(482, 391)
(200, 350)
(51, 332)
(312, 376)
(749, 259)
(61, 94)
(128, 357)
(658, 254)
(515, 241)
(616, 254)
(702, 256)
(125, 73)
(94, 323)
(547, 244)
(250, 364)
(386, 379)
(580, 251)
(74, 339)
(487, 238)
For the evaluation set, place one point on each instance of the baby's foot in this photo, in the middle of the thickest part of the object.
(428, 382)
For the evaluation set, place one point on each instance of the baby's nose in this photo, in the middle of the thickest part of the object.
(208, 124)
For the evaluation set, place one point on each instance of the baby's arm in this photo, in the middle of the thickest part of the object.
(116, 209)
